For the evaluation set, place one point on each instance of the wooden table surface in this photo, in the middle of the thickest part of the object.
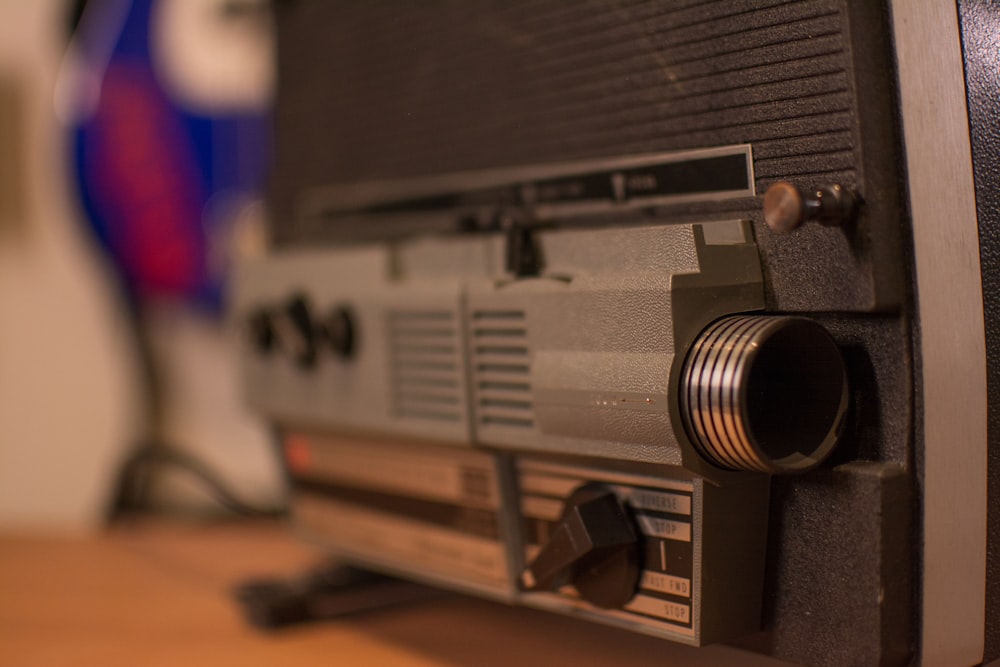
(156, 594)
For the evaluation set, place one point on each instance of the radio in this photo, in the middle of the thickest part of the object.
(666, 315)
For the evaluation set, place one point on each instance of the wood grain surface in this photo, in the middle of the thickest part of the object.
(155, 594)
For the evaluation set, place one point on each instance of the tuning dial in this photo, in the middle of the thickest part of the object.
(786, 207)
(260, 330)
(296, 332)
(594, 547)
(338, 332)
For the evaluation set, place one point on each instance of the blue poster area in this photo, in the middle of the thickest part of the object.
(162, 172)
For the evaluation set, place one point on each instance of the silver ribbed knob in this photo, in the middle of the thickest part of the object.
(764, 393)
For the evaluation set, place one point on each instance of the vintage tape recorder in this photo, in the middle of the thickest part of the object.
(669, 315)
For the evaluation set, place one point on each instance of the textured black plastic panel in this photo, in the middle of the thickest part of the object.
(841, 548)
(878, 353)
(387, 90)
(981, 41)
(838, 592)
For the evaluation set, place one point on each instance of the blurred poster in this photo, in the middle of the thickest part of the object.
(167, 103)
(169, 106)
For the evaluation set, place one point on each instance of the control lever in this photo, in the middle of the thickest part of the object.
(524, 256)
(594, 547)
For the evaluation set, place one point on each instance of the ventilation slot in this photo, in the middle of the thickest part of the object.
(501, 369)
(426, 372)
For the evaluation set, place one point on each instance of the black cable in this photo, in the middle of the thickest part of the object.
(154, 451)
(133, 482)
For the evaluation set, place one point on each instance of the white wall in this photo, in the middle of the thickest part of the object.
(67, 394)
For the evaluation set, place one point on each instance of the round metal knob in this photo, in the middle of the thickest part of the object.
(338, 332)
(767, 394)
(783, 207)
(295, 331)
(786, 207)
(259, 330)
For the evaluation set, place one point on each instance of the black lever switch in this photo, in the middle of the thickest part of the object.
(594, 547)
(524, 255)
